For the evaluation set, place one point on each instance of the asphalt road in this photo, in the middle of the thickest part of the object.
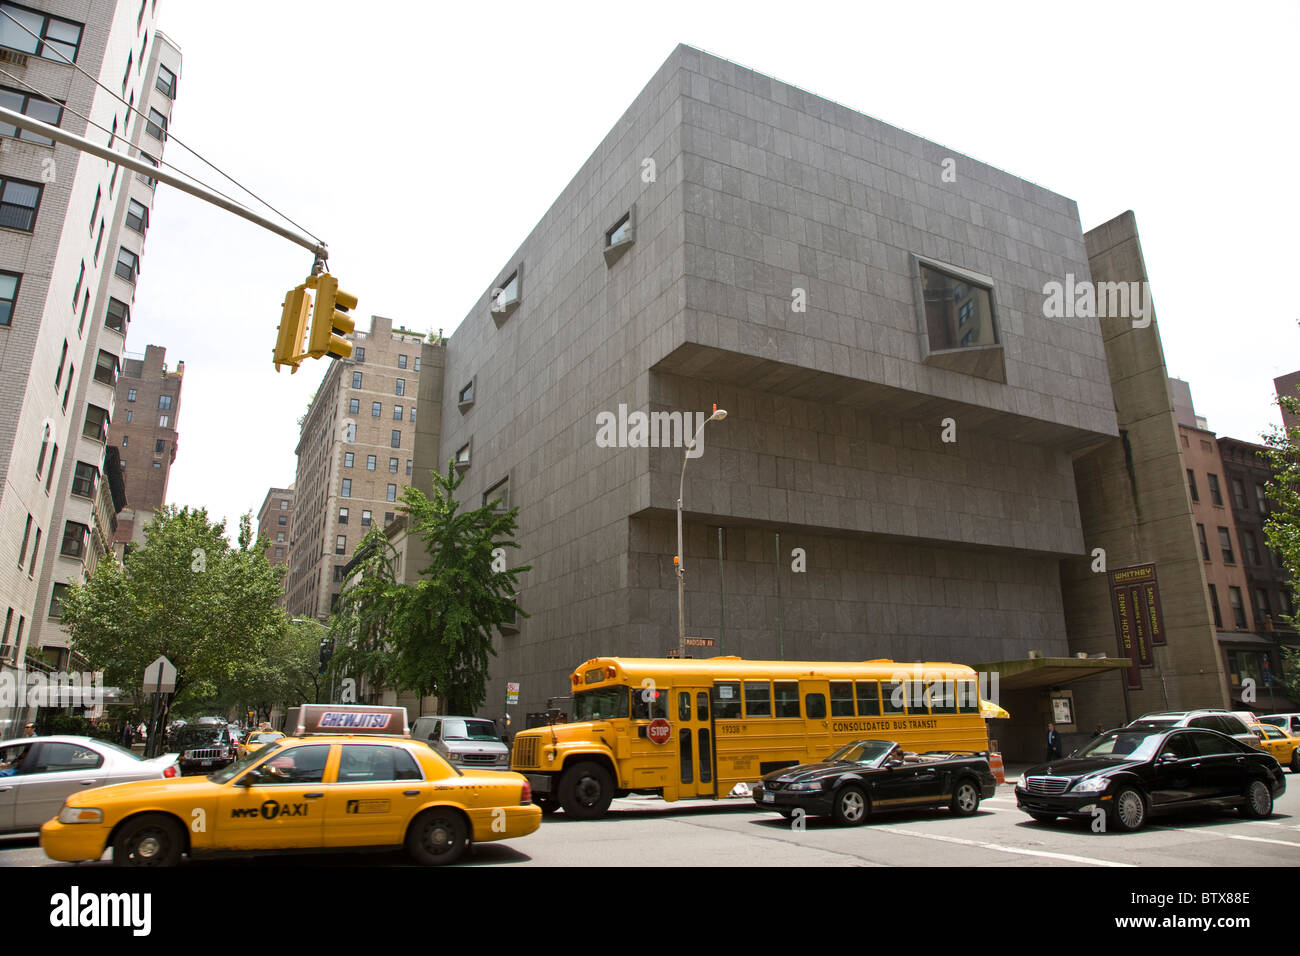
(644, 831)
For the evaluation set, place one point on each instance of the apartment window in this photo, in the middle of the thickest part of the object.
(128, 264)
(1285, 600)
(365, 519)
(392, 466)
(85, 307)
(1205, 546)
(164, 402)
(156, 125)
(396, 440)
(59, 39)
(412, 413)
(45, 447)
(354, 406)
(279, 537)
(8, 296)
(282, 520)
(1250, 547)
(505, 297)
(1225, 544)
(284, 504)
(1191, 484)
(36, 546)
(958, 311)
(157, 464)
(392, 492)
(126, 77)
(117, 316)
(49, 478)
(19, 201)
(96, 424)
(160, 445)
(83, 480)
(341, 544)
(166, 82)
(279, 552)
(99, 241)
(130, 395)
(343, 516)
(1263, 610)
(147, 180)
(348, 459)
(370, 462)
(401, 361)
(462, 456)
(397, 413)
(36, 108)
(137, 216)
(498, 495)
(408, 466)
(27, 534)
(417, 363)
(347, 488)
(58, 376)
(401, 387)
(466, 395)
(1260, 502)
(356, 379)
(164, 421)
(350, 433)
(1238, 494)
(388, 518)
(359, 354)
(74, 540)
(67, 389)
(1214, 606)
(57, 594)
(376, 409)
(112, 138)
(130, 414)
(125, 439)
(106, 368)
(1238, 609)
(1215, 496)
(112, 180)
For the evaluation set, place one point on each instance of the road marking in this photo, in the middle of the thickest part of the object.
(1232, 836)
(998, 847)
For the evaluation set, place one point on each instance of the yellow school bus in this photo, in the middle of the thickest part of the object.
(691, 729)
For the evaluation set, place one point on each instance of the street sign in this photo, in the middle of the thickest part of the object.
(512, 694)
(160, 670)
(659, 731)
(700, 642)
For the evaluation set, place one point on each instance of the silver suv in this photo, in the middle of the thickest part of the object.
(1288, 722)
(466, 742)
(1208, 719)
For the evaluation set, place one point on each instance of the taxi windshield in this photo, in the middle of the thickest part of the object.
(862, 751)
(1124, 744)
(242, 764)
(265, 737)
(605, 703)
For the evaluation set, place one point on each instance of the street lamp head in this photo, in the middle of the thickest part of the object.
(718, 414)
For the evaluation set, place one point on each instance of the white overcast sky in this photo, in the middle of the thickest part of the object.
(423, 141)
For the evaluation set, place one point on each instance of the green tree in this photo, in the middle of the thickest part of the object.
(1282, 527)
(433, 637)
(210, 608)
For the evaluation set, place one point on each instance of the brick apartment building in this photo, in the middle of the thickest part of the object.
(146, 432)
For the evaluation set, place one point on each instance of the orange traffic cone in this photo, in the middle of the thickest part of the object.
(995, 764)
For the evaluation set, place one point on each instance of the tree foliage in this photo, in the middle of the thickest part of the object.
(1282, 527)
(434, 636)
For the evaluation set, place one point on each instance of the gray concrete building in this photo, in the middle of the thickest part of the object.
(895, 476)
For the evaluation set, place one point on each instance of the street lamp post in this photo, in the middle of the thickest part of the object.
(718, 415)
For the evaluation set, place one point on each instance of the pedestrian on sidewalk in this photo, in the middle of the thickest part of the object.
(1053, 743)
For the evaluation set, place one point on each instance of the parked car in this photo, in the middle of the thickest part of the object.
(1135, 772)
(1222, 721)
(464, 741)
(38, 773)
(867, 776)
(205, 747)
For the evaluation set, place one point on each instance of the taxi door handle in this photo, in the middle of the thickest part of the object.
(89, 783)
(410, 793)
(5, 789)
(312, 796)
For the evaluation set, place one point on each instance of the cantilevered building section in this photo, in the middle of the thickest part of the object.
(71, 247)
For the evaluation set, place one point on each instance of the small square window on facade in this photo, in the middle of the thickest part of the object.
(507, 294)
(620, 237)
(465, 397)
(462, 457)
(498, 496)
(956, 312)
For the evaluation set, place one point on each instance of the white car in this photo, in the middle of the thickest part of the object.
(38, 773)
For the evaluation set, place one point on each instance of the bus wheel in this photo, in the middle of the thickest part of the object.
(547, 804)
(850, 807)
(586, 790)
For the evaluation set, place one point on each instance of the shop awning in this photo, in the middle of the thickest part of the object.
(1032, 672)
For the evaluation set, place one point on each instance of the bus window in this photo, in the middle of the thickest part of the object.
(785, 698)
(916, 697)
(726, 700)
(893, 693)
(868, 698)
(815, 705)
(968, 698)
(702, 706)
(684, 705)
(942, 697)
(602, 704)
(841, 698)
(758, 698)
(656, 706)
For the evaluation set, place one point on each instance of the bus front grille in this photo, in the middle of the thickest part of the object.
(525, 754)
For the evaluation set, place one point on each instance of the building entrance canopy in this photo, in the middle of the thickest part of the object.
(1050, 671)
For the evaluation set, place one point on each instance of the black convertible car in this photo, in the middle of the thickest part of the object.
(870, 775)
(1134, 772)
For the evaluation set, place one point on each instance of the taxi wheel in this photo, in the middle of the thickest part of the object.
(965, 798)
(850, 807)
(1129, 811)
(1259, 801)
(149, 840)
(437, 837)
(586, 791)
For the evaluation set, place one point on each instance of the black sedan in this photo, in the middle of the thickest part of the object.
(1133, 773)
(870, 775)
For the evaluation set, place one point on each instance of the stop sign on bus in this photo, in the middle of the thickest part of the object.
(659, 731)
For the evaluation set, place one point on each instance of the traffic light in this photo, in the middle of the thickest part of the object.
(293, 329)
(331, 321)
(326, 652)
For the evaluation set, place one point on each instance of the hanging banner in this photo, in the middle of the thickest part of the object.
(1139, 624)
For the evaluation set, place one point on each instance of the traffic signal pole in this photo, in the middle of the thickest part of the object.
(171, 179)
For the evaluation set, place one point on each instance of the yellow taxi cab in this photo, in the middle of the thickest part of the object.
(349, 778)
(257, 739)
(1284, 748)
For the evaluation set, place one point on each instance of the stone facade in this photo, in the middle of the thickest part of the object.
(275, 523)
